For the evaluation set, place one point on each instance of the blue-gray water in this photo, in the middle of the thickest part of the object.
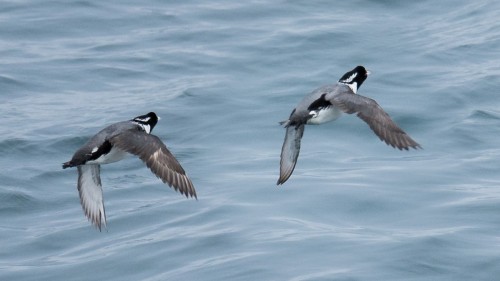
(222, 74)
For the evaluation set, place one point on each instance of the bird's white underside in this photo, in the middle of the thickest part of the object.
(324, 115)
(114, 155)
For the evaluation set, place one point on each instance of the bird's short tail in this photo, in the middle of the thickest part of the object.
(285, 123)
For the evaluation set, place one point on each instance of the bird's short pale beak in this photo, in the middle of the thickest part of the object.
(368, 72)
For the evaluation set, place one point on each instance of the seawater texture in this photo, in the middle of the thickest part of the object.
(222, 74)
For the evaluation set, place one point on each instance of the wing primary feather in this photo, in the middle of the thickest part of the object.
(153, 152)
(90, 191)
(290, 152)
(377, 119)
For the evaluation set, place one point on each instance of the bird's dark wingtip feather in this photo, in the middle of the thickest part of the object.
(415, 145)
(283, 178)
(191, 193)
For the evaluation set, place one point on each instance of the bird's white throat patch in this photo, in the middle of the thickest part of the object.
(353, 86)
(146, 128)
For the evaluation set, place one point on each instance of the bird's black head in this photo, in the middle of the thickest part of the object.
(148, 121)
(355, 77)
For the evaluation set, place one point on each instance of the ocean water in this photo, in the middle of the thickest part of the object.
(222, 74)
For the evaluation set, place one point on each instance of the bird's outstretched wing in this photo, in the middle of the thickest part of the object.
(290, 151)
(378, 120)
(152, 151)
(90, 191)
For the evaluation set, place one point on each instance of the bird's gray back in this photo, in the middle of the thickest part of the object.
(108, 132)
(338, 90)
(301, 112)
(86, 150)
(313, 96)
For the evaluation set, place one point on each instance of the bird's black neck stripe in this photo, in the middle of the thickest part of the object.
(319, 104)
(105, 148)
